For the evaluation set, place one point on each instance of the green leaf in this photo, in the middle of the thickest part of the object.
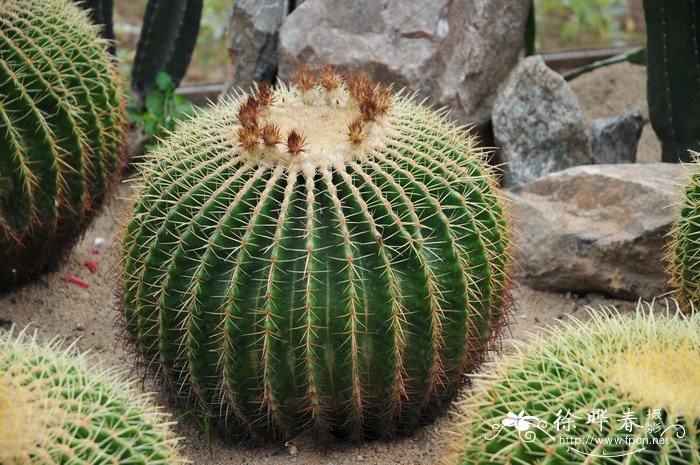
(164, 81)
(154, 102)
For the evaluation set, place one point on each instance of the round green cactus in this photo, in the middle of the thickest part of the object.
(61, 124)
(617, 389)
(325, 256)
(56, 407)
(684, 251)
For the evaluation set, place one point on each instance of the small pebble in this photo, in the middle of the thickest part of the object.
(360, 458)
(523, 316)
(293, 451)
(80, 327)
(99, 241)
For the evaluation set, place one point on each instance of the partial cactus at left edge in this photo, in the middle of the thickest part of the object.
(684, 248)
(625, 387)
(57, 407)
(61, 125)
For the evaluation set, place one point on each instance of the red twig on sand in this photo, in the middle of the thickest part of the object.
(92, 266)
(78, 282)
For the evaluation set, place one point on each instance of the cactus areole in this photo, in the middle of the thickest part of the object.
(326, 256)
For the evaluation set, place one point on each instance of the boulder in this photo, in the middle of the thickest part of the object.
(538, 123)
(253, 36)
(615, 89)
(597, 228)
(444, 50)
(615, 139)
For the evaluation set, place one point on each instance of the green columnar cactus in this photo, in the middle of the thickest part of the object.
(56, 407)
(615, 390)
(324, 256)
(61, 128)
(673, 74)
(101, 13)
(168, 37)
(684, 248)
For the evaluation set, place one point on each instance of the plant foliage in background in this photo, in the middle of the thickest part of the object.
(326, 257)
(57, 407)
(162, 110)
(673, 75)
(684, 248)
(611, 383)
(63, 119)
(585, 23)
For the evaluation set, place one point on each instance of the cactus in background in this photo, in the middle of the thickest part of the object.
(683, 254)
(629, 381)
(325, 256)
(168, 37)
(60, 135)
(673, 75)
(57, 407)
(100, 12)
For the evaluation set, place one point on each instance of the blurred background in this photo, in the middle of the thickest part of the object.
(562, 26)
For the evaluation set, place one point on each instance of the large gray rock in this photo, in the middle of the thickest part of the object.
(453, 53)
(538, 123)
(253, 40)
(615, 139)
(597, 228)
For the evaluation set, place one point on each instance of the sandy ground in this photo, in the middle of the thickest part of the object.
(57, 308)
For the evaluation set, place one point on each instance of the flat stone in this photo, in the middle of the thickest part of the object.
(598, 228)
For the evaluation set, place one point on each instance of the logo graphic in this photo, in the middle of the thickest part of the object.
(624, 429)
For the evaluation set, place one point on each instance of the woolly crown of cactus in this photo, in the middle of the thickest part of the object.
(327, 256)
(57, 407)
(61, 123)
(644, 367)
(684, 247)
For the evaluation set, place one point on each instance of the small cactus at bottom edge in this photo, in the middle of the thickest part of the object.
(683, 252)
(618, 389)
(325, 256)
(57, 407)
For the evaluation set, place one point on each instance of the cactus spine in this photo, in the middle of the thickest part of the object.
(644, 367)
(168, 37)
(673, 75)
(60, 135)
(56, 407)
(324, 256)
(684, 248)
